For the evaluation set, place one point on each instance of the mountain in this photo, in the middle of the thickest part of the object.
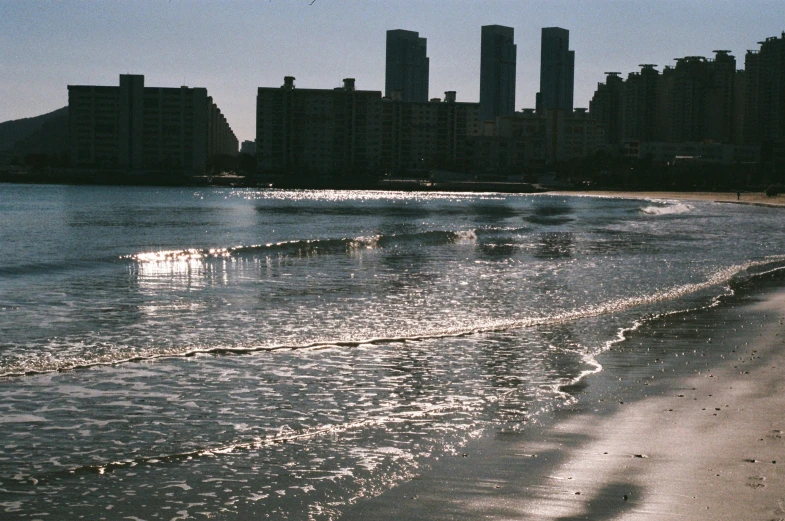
(44, 134)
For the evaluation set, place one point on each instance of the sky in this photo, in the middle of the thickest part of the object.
(233, 47)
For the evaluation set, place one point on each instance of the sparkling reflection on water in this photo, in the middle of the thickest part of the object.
(280, 353)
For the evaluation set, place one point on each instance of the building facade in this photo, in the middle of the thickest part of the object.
(497, 72)
(696, 100)
(529, 140)
(764, 100)
(705, 152)
(346, 133)
(248, 147)
(509, 145)
(557, 70)
(146, 129)
(607, 107)
(407, 64)
(639, 105)
(306, 132)
(571, 136)
(419, 137)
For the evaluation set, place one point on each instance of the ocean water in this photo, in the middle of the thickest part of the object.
(172, 353)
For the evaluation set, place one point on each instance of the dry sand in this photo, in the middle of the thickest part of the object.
(693, 432)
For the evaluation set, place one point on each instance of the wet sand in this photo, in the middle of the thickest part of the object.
(685, 422)
(755, 198)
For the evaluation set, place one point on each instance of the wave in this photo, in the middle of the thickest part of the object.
(293, 248)
(23, 269)
(668, 209)
(310, 247)
(405, 211)
(284, 435)
(723, 276)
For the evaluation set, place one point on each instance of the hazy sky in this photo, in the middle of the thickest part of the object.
(233, 47)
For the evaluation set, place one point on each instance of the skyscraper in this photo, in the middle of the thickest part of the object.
(497, 72)
(407, 66)
(557, 70)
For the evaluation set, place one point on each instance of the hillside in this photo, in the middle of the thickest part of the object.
(44, 134)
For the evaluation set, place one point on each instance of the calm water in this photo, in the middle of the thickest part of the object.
(179, 353)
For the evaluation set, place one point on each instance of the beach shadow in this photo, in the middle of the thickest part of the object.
(611, 501)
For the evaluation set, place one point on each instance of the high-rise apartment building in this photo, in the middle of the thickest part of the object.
(639, 99)
(687, 103)
(406, 73)
(692, 102)
(606, 107)
(721, 99)
(557, 70)
(302, 132)
(497, 72)
(357, 135)
(142, 129)
(700, 104)
(418, 137)
(764, 104)
(751, 118)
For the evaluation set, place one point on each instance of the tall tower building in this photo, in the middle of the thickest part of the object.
(407, 66)
(497, 72)
(557, 70)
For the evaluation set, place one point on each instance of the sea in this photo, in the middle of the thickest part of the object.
(221, 353)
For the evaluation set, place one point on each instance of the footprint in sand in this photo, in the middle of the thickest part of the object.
(756, 482)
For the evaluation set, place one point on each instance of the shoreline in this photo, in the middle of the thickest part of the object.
(750, 198)
(684, 422)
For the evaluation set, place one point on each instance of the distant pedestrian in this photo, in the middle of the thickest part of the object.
(738, 196)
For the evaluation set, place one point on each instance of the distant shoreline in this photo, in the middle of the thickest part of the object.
(752, 198)
(743, 197)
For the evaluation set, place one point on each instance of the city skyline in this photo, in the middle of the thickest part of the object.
(46, 46)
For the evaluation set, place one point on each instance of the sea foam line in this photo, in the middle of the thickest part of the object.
(262, 441)
(616, 306)
(622, 334)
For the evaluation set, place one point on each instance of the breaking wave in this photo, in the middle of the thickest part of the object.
(668, 209)
(310, 247)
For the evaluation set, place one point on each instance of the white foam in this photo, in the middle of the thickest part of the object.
(669, 209)
(466, 236)
(21, 418)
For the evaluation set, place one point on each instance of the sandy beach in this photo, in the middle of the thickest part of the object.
(756, 198)
(684, 422)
